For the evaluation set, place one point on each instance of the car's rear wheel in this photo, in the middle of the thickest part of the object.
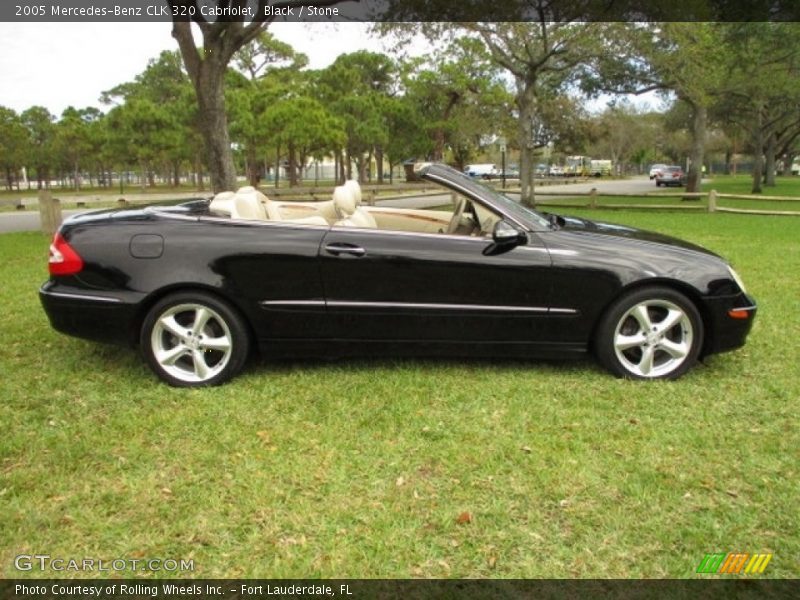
(193, 339)
(650, 333)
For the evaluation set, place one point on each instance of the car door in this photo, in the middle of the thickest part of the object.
(392, 285)
(272, 270)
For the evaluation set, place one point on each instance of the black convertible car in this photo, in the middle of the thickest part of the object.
(198, 285)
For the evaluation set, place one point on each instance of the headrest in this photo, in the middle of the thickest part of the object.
(222, 203)
(355, 188)
(249, 189)
(247, 205)
(344, 201)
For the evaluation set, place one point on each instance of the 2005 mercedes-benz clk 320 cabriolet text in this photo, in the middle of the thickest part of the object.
(200, 284)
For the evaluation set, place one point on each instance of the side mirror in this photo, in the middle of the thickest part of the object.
(505, 234)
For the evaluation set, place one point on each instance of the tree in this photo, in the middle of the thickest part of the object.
(41, 132)
(207, 66)
(540, 51)
(267, 71)
(305, 128)
(460, 97)
(682, 58)
(13, 144)
(625, 133)
(354, 88)
(763, 98)
(155, 117)
(265, 53)
(74, 142)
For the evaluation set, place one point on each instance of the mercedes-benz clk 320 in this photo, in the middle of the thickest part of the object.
(200, 285)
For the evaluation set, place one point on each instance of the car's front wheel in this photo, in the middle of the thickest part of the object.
(193, 339)
(650, 333)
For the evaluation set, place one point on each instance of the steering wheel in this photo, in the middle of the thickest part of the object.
(455, 221)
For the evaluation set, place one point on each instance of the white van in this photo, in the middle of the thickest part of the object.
(483, 170)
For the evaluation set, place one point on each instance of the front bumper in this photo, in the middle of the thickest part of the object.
(729, 320)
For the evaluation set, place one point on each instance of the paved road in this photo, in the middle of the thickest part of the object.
(634, 185)
(27, 220)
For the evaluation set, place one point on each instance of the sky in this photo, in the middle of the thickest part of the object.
(57, 65)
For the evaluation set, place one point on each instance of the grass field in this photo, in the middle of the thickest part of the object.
(416, 468)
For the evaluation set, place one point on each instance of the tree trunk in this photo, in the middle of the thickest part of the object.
(292, 165)
(728, 156)
(207, 74)
(758, 155)
(769, 154)
(525, 103)
(699, 119)
(277, 165)
(379, 161)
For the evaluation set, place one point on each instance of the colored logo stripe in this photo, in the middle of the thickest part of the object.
(734, 562)
(710, 563)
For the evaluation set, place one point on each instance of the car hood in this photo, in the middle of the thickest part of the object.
(577, 224)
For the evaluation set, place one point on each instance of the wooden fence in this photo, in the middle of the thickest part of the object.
(50, 208)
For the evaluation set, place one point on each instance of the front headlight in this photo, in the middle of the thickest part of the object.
(737, 279)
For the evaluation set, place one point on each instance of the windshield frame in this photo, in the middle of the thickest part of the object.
(508, 208)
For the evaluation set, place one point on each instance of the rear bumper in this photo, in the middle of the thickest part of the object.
(730, 321)
(96, 316)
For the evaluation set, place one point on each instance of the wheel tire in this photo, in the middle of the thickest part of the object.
(667, 349)
(194, 339)
(658, 184)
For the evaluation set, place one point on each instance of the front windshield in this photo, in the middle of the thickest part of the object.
(512, 207)
(515, 208)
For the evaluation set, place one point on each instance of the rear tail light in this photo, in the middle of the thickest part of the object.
(63, 258)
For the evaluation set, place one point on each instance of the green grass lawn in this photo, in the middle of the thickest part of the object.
(785, 185)
(363, 468)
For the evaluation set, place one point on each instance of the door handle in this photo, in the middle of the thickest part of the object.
(337, 249)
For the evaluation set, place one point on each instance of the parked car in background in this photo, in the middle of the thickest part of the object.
(556, 171)
(200, 284)
(482, 171)
(656, 169)
(672, 175)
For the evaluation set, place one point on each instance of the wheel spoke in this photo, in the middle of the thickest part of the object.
(200, 367)
(674, 349)
(171, 355)
(201, 317)
(170, 324)
(221, 343)
(642, 317)
(625, 342)
(646, 362)
(673, 318)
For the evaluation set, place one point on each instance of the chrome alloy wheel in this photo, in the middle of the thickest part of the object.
(191, 342)
(653, 338)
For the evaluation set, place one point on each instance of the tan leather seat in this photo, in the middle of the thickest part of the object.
(222, 203)
(348, 211)
(247, 205)
(312, 220)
